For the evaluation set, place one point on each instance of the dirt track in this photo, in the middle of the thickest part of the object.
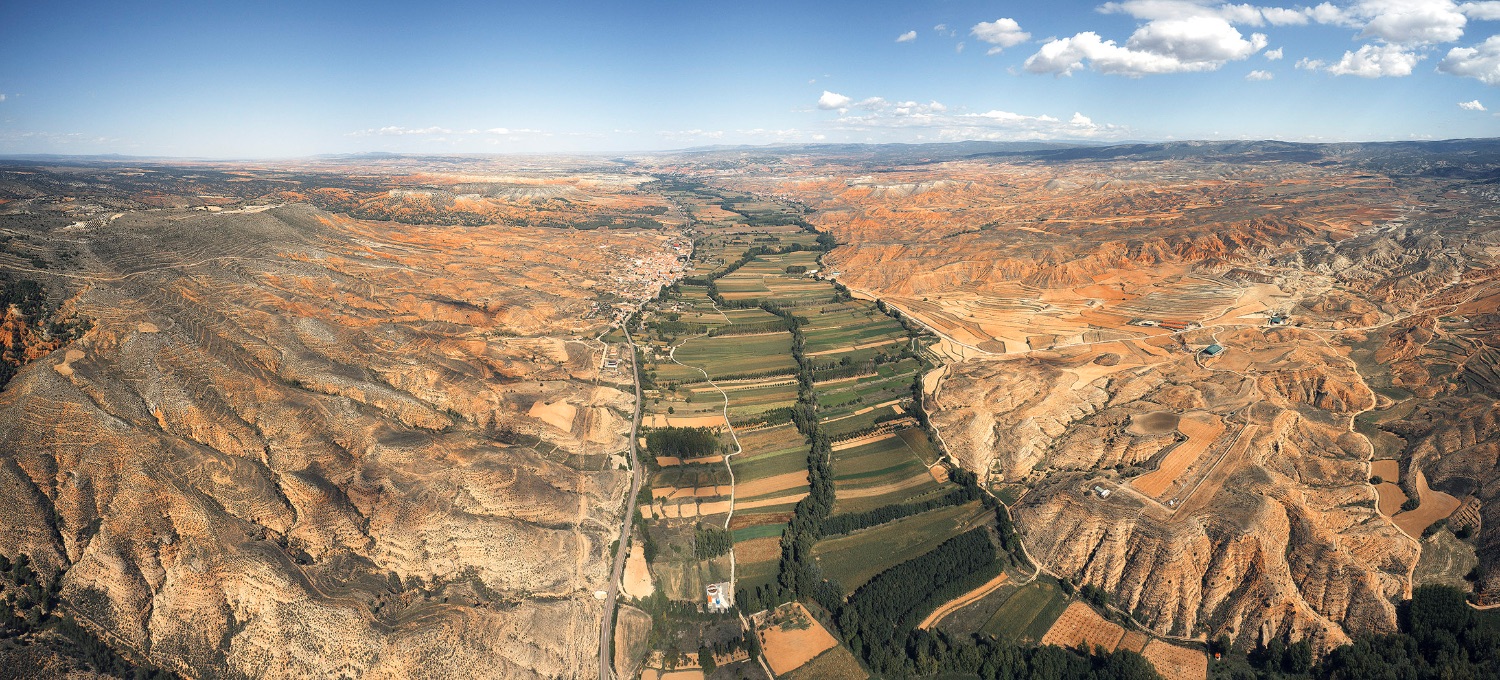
(962, 601)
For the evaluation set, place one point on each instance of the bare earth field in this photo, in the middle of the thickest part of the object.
(795, 641)
(1083, 628)
(1175, 662)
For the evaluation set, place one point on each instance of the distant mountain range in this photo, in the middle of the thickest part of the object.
(1472, 158)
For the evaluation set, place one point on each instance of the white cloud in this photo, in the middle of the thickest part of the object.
(1242, 14)
(906, 37)
(1194, 43)
(2, 96)
(1472, 106)
(1371, 61)
(1245, 14)
(876, 117)
(1063, 56)
(940, 28)
(1259, 75)
(879, 104)
(959, 48)
(1309, 64)
(1328, 13)
(1481, 62)
(833, 101)
(1195, 39)
(917, 109)
(1001, 33)
(1273, 55)
(772, 135)
(398, 131)
(691, 134)
(1414, 21)
(1279, 16)
(1489, 10)
(1402, 22)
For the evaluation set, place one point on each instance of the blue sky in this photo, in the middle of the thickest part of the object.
(225, 79)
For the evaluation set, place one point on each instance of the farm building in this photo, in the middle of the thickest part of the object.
(720, 596)
(1213, 350)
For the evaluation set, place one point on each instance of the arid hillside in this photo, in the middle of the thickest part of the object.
(1187, 366)
(299, 444)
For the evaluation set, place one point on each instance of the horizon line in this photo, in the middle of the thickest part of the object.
(706, 148)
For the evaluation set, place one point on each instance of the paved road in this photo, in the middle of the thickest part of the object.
(607, 630)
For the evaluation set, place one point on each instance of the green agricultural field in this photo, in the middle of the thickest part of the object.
(793, 493)
(669, 372)
(684, 409)
(843, 341)
(921, 445)
(758, 531)
(691, 476)
(878, 475)
(870, 389)
(736, 286)
(834, 330)
(971, 618)
(760, 464)
(749, 398)
(751, 315)
(1027, 615)
(891, 472)
(859, 356)
(851, 424)
(766, 277)
(874, 459)
(904, 370)
(771, 438)
(830, 399)
(921, 492)
(858, 557)
(728, 356)
(749, 575)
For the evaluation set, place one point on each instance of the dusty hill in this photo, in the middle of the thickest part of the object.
(1208, 493)
(297, 444)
